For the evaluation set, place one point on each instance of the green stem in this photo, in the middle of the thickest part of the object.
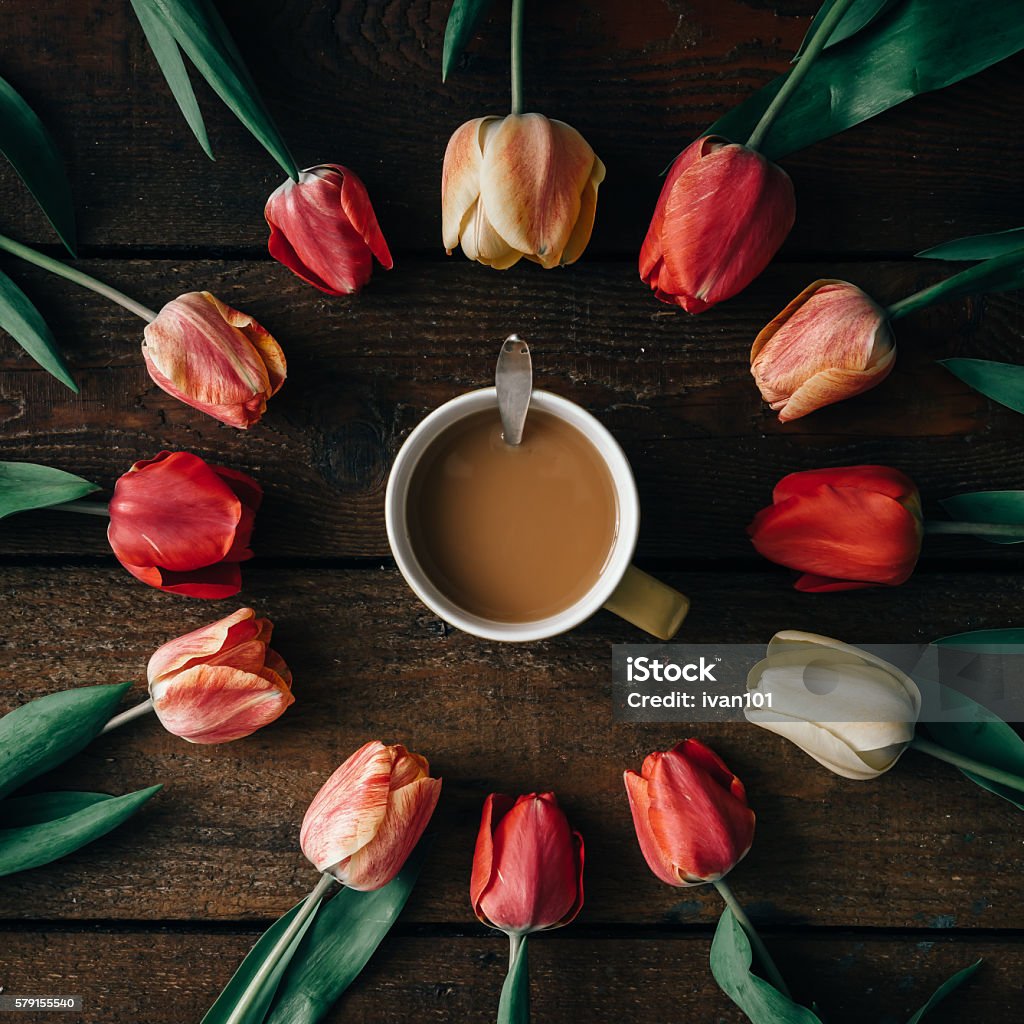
(515, 940)
(259, 979)
(517, 56)
(796, 76)
(992, 531)
(968, 764)
(767, 963)
(128, 716)
(70, 274)
(89, 508)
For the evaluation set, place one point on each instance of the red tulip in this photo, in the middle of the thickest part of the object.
(528, 865)
(369, 815)
(831, 342)
(323, 229)
(183, 526)
(221, 682)
(690, 813)
(723, 213)
(214, 358)
(844, 529)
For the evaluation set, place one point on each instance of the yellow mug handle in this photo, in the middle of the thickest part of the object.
(648, 603)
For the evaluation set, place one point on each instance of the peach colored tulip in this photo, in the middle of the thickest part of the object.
(369, 815)
(516, 186)
(221, 682)
(833, 341)
(214, 358)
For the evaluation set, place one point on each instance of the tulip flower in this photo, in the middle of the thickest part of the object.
(369, 814)
(182, 525)
(210, 356)
(519, 186)
(690, 813)
(851, 711)
(323, 229)
(723, 213)
(844, 528)
(833, 341)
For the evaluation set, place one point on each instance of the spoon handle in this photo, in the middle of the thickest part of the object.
(513, 378)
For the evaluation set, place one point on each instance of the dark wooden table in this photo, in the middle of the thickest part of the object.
(870, 893)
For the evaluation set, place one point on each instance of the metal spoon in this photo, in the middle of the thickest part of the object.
(513, 377)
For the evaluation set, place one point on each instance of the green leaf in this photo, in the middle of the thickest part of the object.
(39, 807)
(860, 14)
(514, 1005)
(921, 45)
(29, 846)
(985, 639)
(345, 935)
(199, 30)
(976, 247)
(731, 959)
(47, 732)
(26, 485)
(1002, 382)
(168, 56)
(943, 990)
(25, 141)
(1004, 507)
(25, 324)
(463, 20)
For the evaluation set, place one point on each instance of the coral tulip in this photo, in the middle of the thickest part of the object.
(519, 186)
(833, 341)
(221, 682)
(368, 816)
(214, 358)
(183, 526)
(528, 865)
(323, 229)
(855, 714)
(723, 212)
(690, 813)
(844, 528)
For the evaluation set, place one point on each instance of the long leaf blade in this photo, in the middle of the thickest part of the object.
(1002, 382)
(951, 983)
(25, 324)
(29, 146)
(976, 247)
(1004, 507)
(36, 808)
(168, 57)
(344, 936)
(922, 46)
(463, 19)
(26, 485)
(46, 732)
(31, 846)
(859, 15)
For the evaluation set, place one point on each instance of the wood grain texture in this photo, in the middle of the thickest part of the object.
(168, 977)
(360, 84)
(919, 848)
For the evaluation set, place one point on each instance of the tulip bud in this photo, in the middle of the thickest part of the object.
(369, 815)
(527, 866)
(323, 229)
(851, 711)
(844, 529)
(221, 682)
(214, 358)
(183, 526)
(831, 342)
(723, 213)
(690, 813)
(519, 186)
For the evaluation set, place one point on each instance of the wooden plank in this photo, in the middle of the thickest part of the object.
(359, 83)
(920, 847)
(167, 977)
(675, 390)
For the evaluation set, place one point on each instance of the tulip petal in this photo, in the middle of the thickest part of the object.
(407, 767)
(482, 243)
(204, 643)
(496, 806)
(217, 704)
(355, 204)
(585, 221)
(883, 479)
(211, 582)
(658, 860)
(831, 386)
(697, 753)
(460, 178)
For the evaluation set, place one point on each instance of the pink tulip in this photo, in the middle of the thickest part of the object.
(369, 815)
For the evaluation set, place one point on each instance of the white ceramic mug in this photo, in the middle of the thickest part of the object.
(621, 587)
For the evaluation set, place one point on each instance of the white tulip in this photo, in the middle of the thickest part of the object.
(850, 710)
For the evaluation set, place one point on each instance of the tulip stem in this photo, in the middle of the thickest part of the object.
(796, 75)
(516, 58)
(968, 764)
(89, 508)
(70, 274)
(990, 531)
(128, 716)
(766, 961)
